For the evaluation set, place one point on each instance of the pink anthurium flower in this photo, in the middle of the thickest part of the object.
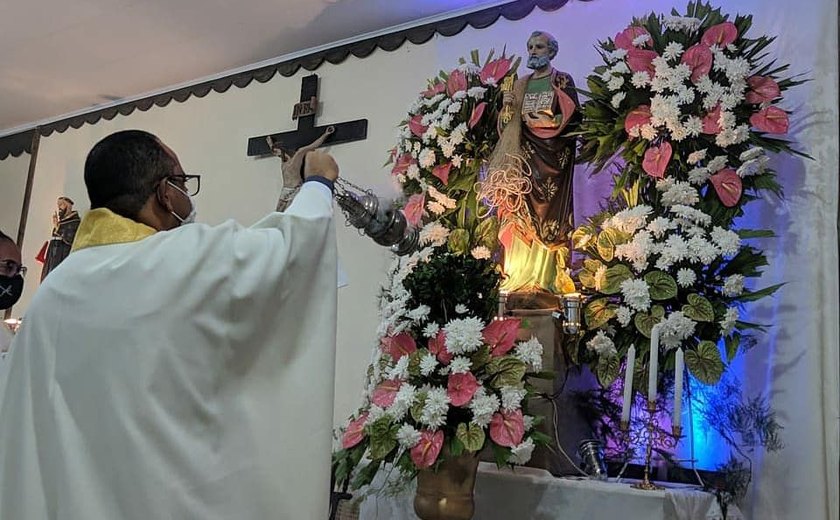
(385, 392)
(477, 112)
(461, 388)
(441, 171)
(711, 122)
(639, 116)
(494, 71)
(416, 126)
(437, 346)
(355, 432)
(457, 82)
(500, 335)
(434, 89)
(763, 89)
(640, 60)
(624, 39)
(721, 35)
(414, 209)
(403, 162)
(728, 186)
(772, 120)
(699, 60)
(656, 160)
(398, 346)
(507, 428)
(426, 452)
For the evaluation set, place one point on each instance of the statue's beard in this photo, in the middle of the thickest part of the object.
(538, 62)
(62, 213)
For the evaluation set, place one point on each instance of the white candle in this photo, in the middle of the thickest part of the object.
(628, 385)
(653, 363)
(678, 389)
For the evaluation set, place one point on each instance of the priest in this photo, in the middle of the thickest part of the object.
(172, 370)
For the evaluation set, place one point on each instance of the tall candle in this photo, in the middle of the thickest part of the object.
(628, 385)
(678, 389)
(653, 363)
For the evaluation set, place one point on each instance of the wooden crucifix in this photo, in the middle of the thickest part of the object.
(304, 112)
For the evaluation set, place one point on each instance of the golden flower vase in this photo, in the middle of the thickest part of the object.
(447, 494)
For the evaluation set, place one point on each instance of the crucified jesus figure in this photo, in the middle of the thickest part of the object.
(292, 166)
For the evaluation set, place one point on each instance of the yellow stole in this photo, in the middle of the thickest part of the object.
(102, 227)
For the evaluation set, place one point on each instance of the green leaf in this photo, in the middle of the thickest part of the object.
(414, 361)
(607, 370)
(487, 233)
(751, 296)
(699, 308)
(614, 277)
(705, 363)
(472, 436)
(456, 447)
(645, 321)
(732, 344)
(479, 358)
(500, 454)
(756, 233)
(417, 408)
(459, 241)
(366, 474)
(505, 371)
(662, 285)
(607, 240)
(598, 312)
(383, 438)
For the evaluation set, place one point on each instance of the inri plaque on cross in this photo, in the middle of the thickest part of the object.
(304, 112)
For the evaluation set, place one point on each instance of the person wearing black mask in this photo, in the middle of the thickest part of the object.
(11, 283)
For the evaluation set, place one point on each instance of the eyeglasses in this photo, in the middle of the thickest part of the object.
(11, 268)
(189, 183)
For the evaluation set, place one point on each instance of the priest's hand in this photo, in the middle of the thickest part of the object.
(320, 163)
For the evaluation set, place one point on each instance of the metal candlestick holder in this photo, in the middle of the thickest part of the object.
(651, 437)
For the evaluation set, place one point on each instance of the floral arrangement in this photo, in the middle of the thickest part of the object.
(684, 110)
(446, 377)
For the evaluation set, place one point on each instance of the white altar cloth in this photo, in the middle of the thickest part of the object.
(534, 494)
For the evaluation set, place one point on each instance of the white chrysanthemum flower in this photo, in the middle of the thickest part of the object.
(426, 158)
(675, 329)
(429, 135)
(448, 149)
(445, 200)
(460, 95)
(752, 153)
(696, 157)
(435, 407)
(615, 82)
(601, 344)
(521, 453)
(415, 106)
(636, 294)
(461, 309)
(599, 277)
(428, 364)
(660, 225)
(673, 51)
(483, 406)
(454, 107)
(733, 285)
(463, 335)
(512, 398)
(431, 329)
(435, 207)
(640, 79)
(408, 436)
(402, 401)
(433, 234)
(401, 178)
(629, 220)
(692, 215)
(480, 252)
(727, 324)
(413, 171)
(640, 40)
(399, 370)
(375, 413)
(530, 352)
(726, 240)
(698, 176)
(752, 167)
(681, 23)
(616, 55)
(637, 250)
(617, 99)
(620, 68)
(676, 192)
(686, 277)
(702, 251)
(674, 250)
(457, 160)
(460, 365)
(648, 132)
(476, 92)
(420, 314)
(624, 315)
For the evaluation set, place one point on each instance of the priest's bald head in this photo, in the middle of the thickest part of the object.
(135, 175)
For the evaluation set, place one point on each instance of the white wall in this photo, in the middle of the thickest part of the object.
(795, 362)
(13, 171)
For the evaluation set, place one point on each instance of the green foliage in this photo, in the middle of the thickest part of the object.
(704, 363)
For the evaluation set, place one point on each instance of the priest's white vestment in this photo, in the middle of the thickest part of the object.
(187, 375)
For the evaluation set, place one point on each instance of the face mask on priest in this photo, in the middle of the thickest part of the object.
(11, 272)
